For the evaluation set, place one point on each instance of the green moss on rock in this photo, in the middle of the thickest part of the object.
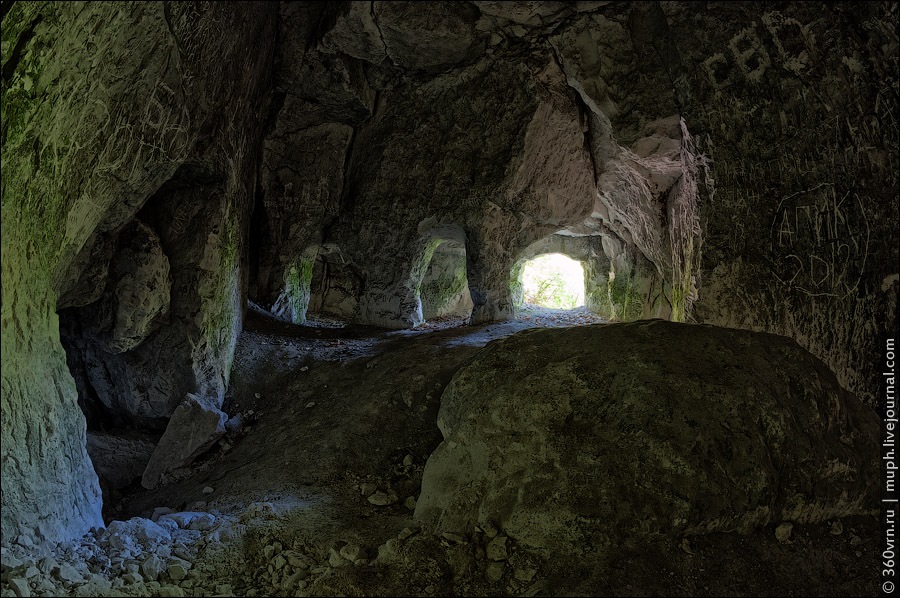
(441, 291)
(620, 299)
(297, 283)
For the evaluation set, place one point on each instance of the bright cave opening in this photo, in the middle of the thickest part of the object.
(553, 280)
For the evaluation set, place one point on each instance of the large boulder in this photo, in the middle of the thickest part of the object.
(604, 434)
(195, 426)
(141, 292)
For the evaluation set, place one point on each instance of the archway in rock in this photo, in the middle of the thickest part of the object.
(553, 280)
(334, 287)
(535, 277)
(320, 287)
(435, 282)
(444, 290)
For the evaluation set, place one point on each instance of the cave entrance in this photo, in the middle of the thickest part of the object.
(553, 280)
(444, 290)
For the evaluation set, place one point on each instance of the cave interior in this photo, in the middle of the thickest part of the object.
(271, 322)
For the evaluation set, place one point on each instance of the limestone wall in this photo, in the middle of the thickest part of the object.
(797, 107)
(102, 102)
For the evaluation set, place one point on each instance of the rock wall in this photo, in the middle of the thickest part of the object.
(796, 104)
(700, 158)
(102, 103)
(335, 284)
(320, 96)
(744, 177)
(445, 289)
(508, 121)
(505, 168)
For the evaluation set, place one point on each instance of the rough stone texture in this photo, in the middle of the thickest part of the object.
(321, 96)
(634, 287)
(199, 239)
(440, 145)
(335, 285)
(101, 104)
(355, 33)
(92, 284)
(120, 377)
(445, 290)
(133, 303)
(328, 89)
(137, 532)
(509, 121)
(643, 78)
(142, 287)
(195, 426)
(435, 117)
(301, 176)
(594, 435)
(505, 168)
(428, 36)
(605, 62)
(532, 14)
(119, 459)
(801, 237)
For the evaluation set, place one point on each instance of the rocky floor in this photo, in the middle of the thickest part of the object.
(313, 492)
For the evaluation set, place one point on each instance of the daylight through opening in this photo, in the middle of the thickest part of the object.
(553, 280)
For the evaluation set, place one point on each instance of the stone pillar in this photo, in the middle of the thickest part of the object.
(489, 286)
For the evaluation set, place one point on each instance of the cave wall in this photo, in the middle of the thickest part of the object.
(796, 104)
(511, 121)
(494, 148)
(737, 159)
(102, 103)
(319, 98)
(334, 285)
(744, 156)
(445, 289)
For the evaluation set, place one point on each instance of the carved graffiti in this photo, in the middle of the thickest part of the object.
(748, 57)
(822, 241)
(749, 54)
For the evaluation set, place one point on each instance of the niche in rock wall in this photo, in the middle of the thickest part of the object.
(444, 290)
(320, 283)
(132, 329)
(335, 285)
(624, 285)
(107, 327)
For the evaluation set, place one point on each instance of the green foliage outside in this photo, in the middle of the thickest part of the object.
(516, 291)
(554, 281)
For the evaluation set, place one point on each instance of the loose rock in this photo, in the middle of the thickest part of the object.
(496, 549)
(783, 532)
(383, 499)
